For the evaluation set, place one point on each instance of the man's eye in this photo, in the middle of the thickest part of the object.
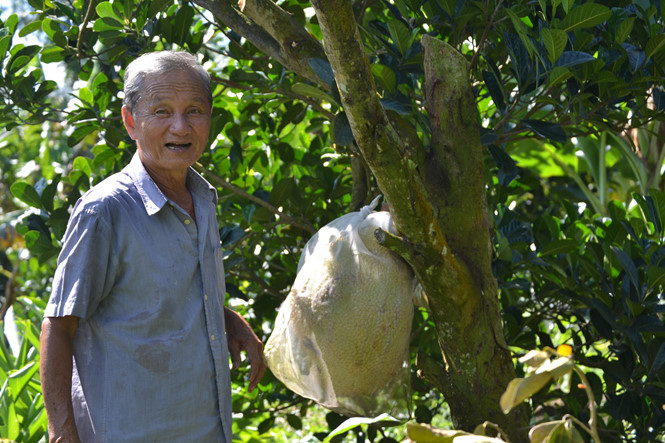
(195, 111)
(161, 112)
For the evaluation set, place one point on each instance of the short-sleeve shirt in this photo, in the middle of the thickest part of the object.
(147, 282)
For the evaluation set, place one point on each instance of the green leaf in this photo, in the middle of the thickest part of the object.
(357, 421)
(54, 31)
(420, 432)
(384, 76)
(553, 131)
(567, 4)
(26, 193)
(294, 421)
(19, 379)
(323, 69)
(559, 75)
(654, 45)
(562, 246)
(52, 54)
(311, 91)
(495, 88)
(4, 44)
(342, 134)
(13, 429)
(107, 10)
(565, 433)
(282, 190)
(520, 389)
(158, 6)
(11, 23)
(627, 265)
(624, 29)
(30, 28)
(555, 41)
(83, 164)
(400, 35)
(21, 58)
(541, 432)
(573, 58)
(586, 15)
(49, 192)
(106, 24)
(79, 134)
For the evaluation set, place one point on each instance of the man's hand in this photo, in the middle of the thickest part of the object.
(241, 338)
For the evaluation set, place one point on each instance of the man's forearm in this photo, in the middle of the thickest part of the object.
(56, 343)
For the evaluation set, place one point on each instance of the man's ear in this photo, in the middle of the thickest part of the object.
(128, 120)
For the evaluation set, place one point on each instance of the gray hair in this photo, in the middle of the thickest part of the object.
(158, 63)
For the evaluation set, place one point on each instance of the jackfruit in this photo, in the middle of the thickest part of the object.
(341, 336)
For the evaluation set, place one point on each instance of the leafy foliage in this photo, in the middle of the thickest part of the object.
(570, 97)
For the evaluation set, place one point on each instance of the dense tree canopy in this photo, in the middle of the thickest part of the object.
(519, 144)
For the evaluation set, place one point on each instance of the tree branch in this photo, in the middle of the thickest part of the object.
(300, 223)
(274, 31)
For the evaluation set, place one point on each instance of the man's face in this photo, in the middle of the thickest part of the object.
(171, 121)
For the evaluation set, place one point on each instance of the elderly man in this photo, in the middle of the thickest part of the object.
(134, 339)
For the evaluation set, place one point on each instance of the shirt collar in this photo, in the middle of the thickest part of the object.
(152, 197)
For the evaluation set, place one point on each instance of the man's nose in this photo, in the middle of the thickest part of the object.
(179, 123)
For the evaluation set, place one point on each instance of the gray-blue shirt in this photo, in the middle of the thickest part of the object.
(150, 354)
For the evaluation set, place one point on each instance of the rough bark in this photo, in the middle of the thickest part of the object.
(273, 31)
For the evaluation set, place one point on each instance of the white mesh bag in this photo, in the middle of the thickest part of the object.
(341, 337)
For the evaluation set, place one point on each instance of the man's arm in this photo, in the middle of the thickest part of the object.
(56, 350)
(241, 337)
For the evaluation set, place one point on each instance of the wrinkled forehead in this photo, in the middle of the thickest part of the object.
(178, 84)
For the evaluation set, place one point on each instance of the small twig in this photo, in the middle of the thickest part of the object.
(9, 293)
(86, 19)
(305, 225)
(489, 25)
(593, 417)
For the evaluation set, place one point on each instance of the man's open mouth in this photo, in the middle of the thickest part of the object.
(178, 146)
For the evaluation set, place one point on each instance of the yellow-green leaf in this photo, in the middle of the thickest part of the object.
(541, 432)
(557, 367)
(519, 389)
(423, 433)
(311, 91)
(535, 358)
(476, 439)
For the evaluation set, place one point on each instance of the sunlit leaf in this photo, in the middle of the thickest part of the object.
(541, 432)
(420, 432)
(354, 422)
(26, 193)
(520, 389)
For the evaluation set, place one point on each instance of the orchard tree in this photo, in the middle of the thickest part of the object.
(518, 144)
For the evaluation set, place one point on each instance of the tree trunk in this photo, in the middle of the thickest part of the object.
(477, 359)
(436, 194)
(437, 198)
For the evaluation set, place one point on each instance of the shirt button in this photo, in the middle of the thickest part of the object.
(187, 221)
(212, 337)
(205, 297)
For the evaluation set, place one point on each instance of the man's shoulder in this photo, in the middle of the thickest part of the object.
(107, 194)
